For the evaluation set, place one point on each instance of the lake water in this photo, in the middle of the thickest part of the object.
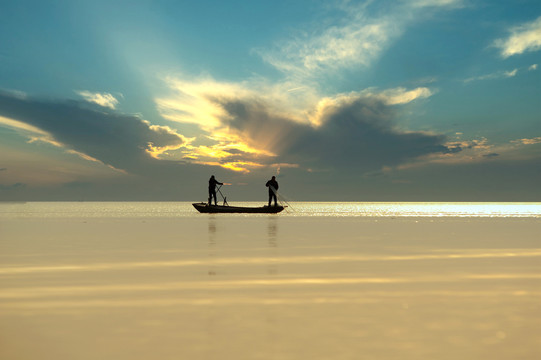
(320, 281)
(297, 209)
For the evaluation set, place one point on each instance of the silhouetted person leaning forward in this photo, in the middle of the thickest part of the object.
(212, 190)
(272, 184)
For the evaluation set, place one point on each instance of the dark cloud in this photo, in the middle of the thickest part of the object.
(254, 122)
(357, 134)
(491, 155)
(355, 137)
(115, 139)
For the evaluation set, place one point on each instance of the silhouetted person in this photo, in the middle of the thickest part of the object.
(212, 190)
(272, 184)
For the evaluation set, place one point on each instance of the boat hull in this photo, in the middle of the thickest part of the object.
(217, 209)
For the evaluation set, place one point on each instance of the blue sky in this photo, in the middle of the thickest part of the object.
(421, 100)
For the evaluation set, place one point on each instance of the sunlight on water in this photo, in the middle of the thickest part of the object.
(420, 209)
(338, 209)
(158, 280)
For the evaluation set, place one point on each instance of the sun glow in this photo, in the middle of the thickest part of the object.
(226, 155)
(249, 122)
(156, 151)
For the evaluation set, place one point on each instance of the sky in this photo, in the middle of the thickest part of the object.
(413, 100)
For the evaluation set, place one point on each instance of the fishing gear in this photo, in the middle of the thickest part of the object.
(281, 199)
(223, 197)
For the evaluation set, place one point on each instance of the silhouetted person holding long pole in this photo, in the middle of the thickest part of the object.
(272, 184)
(212, 190)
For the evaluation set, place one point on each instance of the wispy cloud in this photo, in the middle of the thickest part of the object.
(22, 126)
(437, 3)
(502, 74)
(400, 96)
(190, 102)
(102, 99)
(354, 38)
(494, 76)
(522, 38)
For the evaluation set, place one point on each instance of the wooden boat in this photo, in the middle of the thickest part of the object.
(213, 209)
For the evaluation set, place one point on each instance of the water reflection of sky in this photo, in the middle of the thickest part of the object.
(162, 281)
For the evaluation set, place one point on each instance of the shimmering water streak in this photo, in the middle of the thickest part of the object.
(423, 209)
(336, 209)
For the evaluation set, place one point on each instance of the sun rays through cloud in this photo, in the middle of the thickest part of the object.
(309, 91)
(255, 126)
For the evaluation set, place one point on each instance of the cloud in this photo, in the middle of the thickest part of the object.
(199, 102)
(502, 74)
(251, 123)
(401, 96)
(102, 99)
(122, 141)
(493, 76)
(355, 37)
(478, 151)
(522, 38)
(355, 41)
(437, 3)
(189, 102)
(21, 126)
(481, 144)
(254, 125)
(354, 132)
(526, 141)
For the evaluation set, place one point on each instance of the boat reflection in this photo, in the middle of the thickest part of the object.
(272, 232)
(212, 245)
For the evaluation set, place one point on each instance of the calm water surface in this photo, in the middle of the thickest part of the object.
(300, 209)
(344, 281)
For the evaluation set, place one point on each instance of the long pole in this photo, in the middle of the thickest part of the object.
(223, 197)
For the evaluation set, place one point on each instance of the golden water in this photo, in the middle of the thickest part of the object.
(323, 281)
